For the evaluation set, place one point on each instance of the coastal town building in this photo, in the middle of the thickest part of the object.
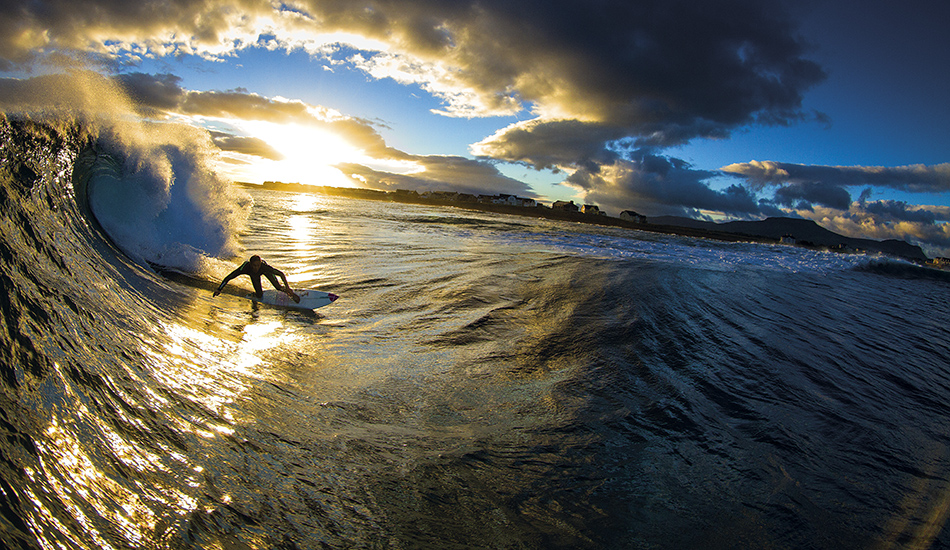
(565, 206)
(405, 194)
(511, 200)
(631, 216)
(593, 210)
(441, 196)
(787, 239)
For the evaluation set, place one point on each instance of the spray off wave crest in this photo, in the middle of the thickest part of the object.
(150, 186)
(159, 201)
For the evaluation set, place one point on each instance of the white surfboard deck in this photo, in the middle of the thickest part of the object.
(309, 299)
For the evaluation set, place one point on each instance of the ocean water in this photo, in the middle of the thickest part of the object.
(484, 381)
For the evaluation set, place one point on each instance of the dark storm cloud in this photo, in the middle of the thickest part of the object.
(813, 193)
(547, 144)
(899, 211)
(915, 178)
(659, 185)
(662, 71)
(648, 66)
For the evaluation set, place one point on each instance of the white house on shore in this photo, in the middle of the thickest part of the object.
(528, 203)
(631, 216)
(593, 210)
(512, 200)
(565, 206)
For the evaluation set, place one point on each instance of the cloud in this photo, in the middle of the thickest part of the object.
(890, 210)
(110, 27)
(655, 185)
(551, 143)
(245, 145)
(153, 92)
(662, 71)
(436, 173)
(813, 193)
(820, 193)
(601, 80)
(162, 94)
(162, 97)
(915, 178)
(889, 220)
(439, 173)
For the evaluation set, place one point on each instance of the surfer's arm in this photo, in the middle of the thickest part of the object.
(230, 276)
(274, 272)
(283, 278)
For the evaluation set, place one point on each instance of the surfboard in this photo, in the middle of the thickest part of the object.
(309, 299)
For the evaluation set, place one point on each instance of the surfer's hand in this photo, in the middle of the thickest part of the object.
(292, 294)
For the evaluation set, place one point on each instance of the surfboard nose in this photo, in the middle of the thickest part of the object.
(332, 297)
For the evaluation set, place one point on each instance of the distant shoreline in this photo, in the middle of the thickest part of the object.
(544, 212)
(541, 212)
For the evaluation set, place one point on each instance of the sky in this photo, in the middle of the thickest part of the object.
(832, 110)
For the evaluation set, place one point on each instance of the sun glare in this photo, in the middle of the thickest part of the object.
(309, 155)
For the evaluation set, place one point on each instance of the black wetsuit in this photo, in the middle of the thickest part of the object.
(266, 270)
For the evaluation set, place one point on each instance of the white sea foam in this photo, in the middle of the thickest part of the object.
(159, 200)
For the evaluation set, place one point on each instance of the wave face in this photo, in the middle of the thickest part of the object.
(484, 380)
(94, 436)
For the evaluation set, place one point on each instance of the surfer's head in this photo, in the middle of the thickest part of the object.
(255, 262)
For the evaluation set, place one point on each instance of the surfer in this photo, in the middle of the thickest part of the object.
(254, 268)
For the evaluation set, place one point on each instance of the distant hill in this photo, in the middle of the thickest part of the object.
(802, 230)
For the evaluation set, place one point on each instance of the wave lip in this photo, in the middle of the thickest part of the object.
(161, 204)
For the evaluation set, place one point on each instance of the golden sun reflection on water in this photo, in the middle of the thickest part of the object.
(301, 230)
(298, 233)
(214, 371)
(304, 202)
(120, 486)
(89, 485)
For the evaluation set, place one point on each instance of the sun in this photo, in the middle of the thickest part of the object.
(309, 155)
